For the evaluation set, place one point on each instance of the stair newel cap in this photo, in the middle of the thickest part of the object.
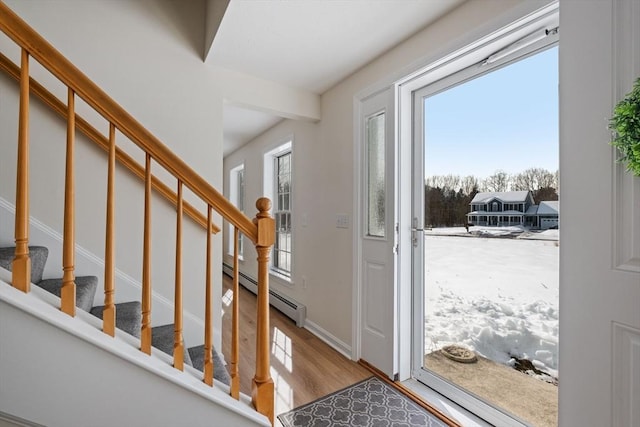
(265, 223)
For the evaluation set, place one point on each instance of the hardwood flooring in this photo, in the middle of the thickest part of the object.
(303, 367)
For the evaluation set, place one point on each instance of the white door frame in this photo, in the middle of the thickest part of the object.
(403, 87)
(462, 59)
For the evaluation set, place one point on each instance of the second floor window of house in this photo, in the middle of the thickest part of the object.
(236, 184)
(282, 213)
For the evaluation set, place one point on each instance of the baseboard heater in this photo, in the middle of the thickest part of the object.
(287, 306)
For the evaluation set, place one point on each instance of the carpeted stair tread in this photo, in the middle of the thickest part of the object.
(162, 339)
(85, 289)
(219, 370)
(38, 255)
(128, 316)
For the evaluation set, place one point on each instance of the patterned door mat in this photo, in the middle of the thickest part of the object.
(370, 403)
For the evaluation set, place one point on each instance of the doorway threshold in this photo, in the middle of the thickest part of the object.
(446, 406)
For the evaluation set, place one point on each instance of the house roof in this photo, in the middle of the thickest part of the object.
(549, 208)
(504, 196)
(532, 210)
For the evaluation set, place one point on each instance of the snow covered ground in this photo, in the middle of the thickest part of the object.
(494, 290)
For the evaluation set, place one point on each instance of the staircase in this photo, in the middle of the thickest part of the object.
(128, 314)
(57, 345)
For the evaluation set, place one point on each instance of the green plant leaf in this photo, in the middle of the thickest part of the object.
(625, 124)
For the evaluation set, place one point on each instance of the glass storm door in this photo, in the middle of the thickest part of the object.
(485, 237)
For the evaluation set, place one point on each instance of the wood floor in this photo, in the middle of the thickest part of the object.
(303, 367)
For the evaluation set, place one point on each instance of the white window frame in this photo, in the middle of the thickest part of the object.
(237, 192)
(270, 191)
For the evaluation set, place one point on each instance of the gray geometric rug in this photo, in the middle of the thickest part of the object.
(370, 403)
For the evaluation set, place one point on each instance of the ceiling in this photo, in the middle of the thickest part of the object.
(309, 44)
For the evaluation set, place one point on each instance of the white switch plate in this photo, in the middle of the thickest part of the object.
(342, 221)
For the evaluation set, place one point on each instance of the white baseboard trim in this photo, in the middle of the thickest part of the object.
(328, 338)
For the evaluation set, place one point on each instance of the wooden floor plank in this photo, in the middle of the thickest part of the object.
(303, 367)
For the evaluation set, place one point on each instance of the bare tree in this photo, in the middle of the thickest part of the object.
(444, 182)
(469, 185)
(534, 179)
(497, 182)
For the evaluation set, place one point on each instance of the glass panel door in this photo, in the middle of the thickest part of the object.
(486, 239)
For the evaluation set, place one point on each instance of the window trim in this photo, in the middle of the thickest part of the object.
(233, 197)
(367, 171)
(282, 147)
(276, 176)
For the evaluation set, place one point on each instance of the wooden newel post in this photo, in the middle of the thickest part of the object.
(262, 393)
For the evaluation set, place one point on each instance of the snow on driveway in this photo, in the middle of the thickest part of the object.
(496, 295)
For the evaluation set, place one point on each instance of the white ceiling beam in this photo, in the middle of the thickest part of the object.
(244, 90)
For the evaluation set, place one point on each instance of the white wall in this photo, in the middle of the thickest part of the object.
(305, 199)
(62, 371)
(323, 169)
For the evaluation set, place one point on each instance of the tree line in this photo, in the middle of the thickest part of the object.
(447, 197)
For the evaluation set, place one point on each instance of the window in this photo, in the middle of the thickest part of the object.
(278, 184)
(376, 194)
(236, 194)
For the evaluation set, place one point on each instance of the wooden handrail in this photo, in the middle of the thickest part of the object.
(94, 135)
(261, 231)
(23, 35)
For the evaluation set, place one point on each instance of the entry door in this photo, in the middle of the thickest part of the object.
(377, 234)
(600, 270)
(482, 290)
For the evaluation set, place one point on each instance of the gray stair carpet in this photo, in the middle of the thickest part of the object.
(38, 255)
(162, 339)
(85, 289)
(128, 316)
(219, 370)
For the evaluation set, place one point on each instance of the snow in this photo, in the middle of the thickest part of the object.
(494, 290)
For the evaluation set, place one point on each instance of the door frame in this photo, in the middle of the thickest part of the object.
(464, 59)
(475, 404)
(461, 54)
(457, 70)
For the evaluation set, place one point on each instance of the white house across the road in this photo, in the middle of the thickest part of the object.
(510, 208)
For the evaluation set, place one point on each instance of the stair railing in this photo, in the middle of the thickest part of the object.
(94, 135)
(261, 231)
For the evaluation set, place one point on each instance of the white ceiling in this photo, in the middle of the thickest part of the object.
(241, 125)
(312, 44)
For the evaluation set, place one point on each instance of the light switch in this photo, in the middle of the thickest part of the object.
(342, 221)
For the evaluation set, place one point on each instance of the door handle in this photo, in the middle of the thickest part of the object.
(414, 236)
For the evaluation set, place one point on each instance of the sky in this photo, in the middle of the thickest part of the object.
(507, 119)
